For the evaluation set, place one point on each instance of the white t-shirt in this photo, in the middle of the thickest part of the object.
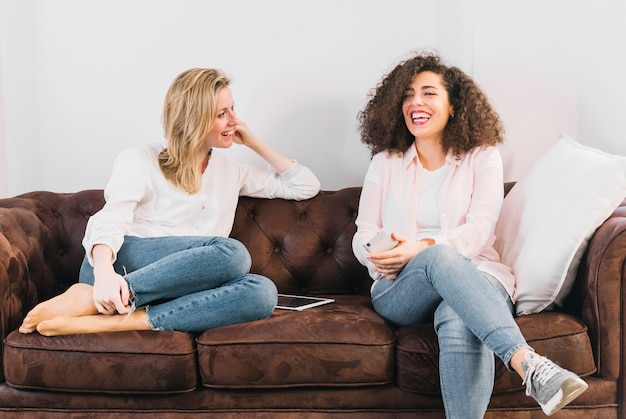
(428, 221)
(141, 202)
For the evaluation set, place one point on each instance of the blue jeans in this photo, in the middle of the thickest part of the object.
(191, 284)
(472, 314)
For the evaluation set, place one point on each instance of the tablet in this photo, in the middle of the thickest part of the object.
(300, 302)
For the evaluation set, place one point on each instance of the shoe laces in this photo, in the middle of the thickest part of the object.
(539, 370)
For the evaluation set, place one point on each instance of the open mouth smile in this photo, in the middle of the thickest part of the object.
(420, 117)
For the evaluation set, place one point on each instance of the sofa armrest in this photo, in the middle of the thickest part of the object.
(40, 248)
(599, 296)
(20, 233)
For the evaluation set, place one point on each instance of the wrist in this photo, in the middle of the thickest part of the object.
(250, 141)
(103, 269)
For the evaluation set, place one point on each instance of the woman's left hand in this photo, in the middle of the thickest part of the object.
(390, 262)
(243, 135)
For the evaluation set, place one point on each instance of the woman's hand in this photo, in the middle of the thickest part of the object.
(111, 293)
(110, 290)
(243, 135)
(390, 262)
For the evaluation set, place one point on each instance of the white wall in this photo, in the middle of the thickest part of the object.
(550, 67)
(20, 144)
(4, 181)
(82, 80)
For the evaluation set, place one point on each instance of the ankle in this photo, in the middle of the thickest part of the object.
(518, 360)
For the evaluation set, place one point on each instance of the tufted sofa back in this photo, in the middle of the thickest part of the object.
(305, 247)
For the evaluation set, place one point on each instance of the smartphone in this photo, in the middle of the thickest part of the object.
(380, 242)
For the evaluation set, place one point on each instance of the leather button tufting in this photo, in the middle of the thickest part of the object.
(329, 250)
(276, 249)
(302, 216)
(251, 214)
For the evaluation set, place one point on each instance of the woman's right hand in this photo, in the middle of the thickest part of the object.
(110, 292)
(110, 289)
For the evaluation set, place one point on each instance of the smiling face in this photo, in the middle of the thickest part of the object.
(221, 135)
(426, 107)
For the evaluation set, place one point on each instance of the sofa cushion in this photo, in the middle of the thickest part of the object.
(549, 216)
(122, 362)
(340, 344)
(559, 336)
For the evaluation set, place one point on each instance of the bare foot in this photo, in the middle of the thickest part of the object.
(76, 301)
(68, 325)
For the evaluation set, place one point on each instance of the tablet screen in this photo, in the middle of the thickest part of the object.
(300, 302)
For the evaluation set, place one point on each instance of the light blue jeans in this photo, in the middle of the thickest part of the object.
(472, 314)
(191, 284)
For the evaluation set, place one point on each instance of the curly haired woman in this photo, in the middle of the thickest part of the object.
(435, 183)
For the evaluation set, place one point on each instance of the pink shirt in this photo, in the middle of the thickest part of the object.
(469, 204)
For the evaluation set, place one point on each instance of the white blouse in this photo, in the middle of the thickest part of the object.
(141, 202)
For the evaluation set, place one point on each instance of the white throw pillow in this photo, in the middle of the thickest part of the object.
(549, 216)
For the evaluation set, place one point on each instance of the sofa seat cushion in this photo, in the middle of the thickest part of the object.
(123, 362)
(559, 336)
(344, 343)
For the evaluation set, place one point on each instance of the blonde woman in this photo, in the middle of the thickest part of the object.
(158, 256)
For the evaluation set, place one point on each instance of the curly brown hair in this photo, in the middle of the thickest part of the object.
(475, 123)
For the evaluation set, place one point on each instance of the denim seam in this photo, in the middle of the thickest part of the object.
(444, 393)
(505, 299)
(509, 354)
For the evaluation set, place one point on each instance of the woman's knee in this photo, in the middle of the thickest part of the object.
(265, 295)
(235, 252)
(442, 263)
(268, 292)
(443, 254)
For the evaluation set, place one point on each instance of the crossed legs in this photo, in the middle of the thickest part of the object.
(189, 284)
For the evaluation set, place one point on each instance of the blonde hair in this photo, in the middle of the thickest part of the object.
(189, 112)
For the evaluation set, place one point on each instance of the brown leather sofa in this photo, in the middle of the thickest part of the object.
(335, 361)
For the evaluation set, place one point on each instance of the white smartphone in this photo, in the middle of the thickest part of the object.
(380, 242)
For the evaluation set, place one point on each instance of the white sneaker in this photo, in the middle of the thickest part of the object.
(552, 386)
